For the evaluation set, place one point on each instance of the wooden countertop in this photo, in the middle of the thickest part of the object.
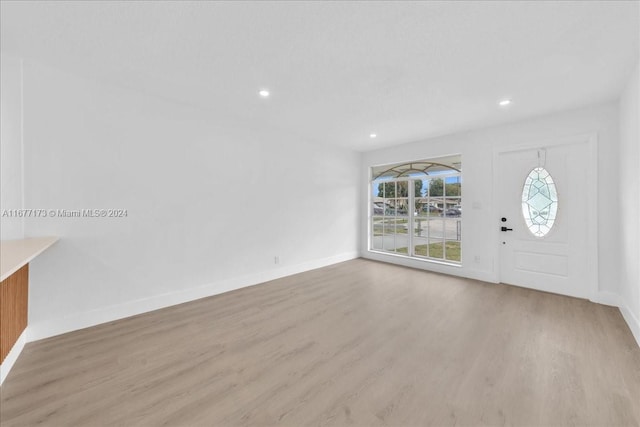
(16, 253)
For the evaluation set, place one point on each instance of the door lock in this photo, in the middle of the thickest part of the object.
(506, 229)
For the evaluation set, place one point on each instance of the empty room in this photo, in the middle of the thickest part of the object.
(288, 213)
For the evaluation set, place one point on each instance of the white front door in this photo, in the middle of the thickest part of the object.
(562, 259)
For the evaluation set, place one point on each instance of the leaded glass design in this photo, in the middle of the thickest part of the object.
(539, 201)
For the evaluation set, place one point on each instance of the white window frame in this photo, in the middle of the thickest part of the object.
(411, 218)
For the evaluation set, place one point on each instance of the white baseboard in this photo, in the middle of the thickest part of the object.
(433, 266)
(632, 321)
(11, 358)
(606, 298)
(613, 299)
(108, 314)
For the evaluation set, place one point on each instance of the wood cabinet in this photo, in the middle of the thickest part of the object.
(14, 298)
(15, 256)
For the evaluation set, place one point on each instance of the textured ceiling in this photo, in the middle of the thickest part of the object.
(339, 71)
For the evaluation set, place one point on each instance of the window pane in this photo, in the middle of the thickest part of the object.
(437, 208)
(420, 226)
(402, 239)
(452, 186)
(421, 187)
(421, 250)
(433, 228)
(436, 250)
(388, 189)
(390, 207)
(452, 228)
(377, 229)
(539, 202)
(402, 206)
(436, 188)
(388, 238)
(402, 189)
(377, 208)
(452, 250)
(422, 206)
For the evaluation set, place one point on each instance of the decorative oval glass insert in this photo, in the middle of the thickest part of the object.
(539, 201)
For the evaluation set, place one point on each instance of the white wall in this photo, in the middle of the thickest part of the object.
(210, 202)
(480, 224)
(10, 146)
(629, 210)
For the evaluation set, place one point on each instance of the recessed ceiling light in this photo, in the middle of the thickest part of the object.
(372, 135)
(504, 102)
(264, 93)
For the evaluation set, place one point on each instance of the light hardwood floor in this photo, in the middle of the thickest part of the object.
(357, 343)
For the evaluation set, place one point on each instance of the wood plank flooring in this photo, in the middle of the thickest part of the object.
(356, 343)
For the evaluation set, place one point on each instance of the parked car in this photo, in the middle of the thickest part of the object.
(431, 208)
(380, 208)
(453, 212)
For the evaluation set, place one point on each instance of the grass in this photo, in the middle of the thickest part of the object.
(434, 250)
(389, 223)
(393, 221)
(378, 222)
(426, 215)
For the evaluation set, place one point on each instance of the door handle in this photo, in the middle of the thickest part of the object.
(506, 229)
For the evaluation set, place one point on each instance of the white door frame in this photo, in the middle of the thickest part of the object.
(591, 140)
